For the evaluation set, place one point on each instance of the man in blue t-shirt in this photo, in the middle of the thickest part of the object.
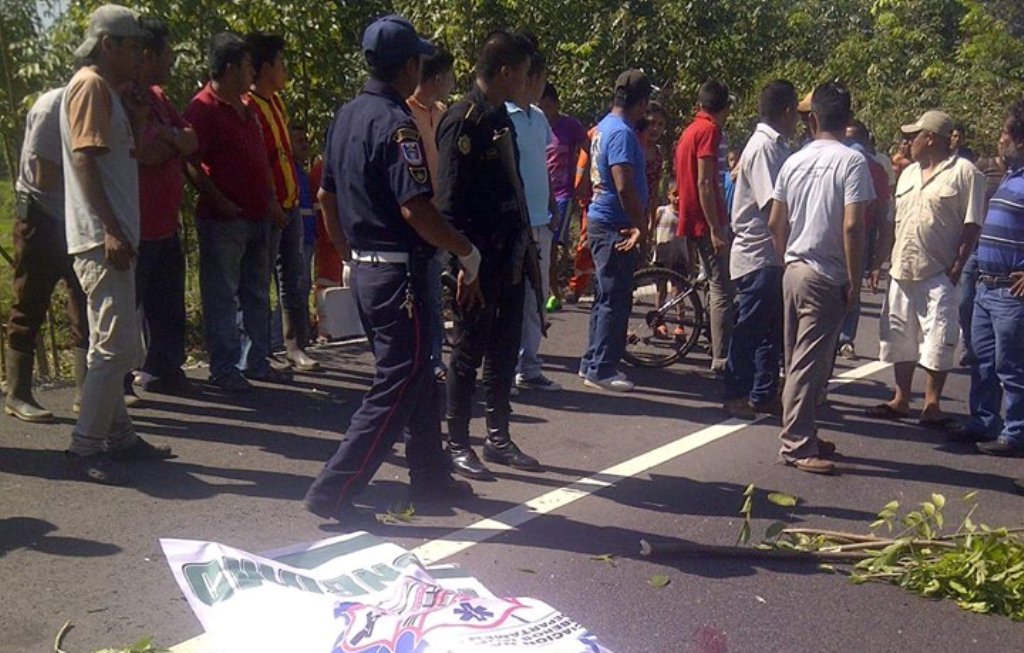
(616, 226)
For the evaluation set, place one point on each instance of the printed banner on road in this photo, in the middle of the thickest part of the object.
(357, 594)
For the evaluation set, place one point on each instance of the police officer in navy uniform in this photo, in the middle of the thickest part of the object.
(376, 198)
(477, 191)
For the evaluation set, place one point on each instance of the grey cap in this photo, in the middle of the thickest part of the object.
(936, 122)
(110, 20)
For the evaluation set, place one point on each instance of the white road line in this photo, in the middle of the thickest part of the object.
(485, 529)
(490, 527)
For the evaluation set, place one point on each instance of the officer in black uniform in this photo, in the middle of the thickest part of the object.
(477, 191)
(376, 197)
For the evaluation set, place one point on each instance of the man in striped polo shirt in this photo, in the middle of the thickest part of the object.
(270, 75)
(997, 328)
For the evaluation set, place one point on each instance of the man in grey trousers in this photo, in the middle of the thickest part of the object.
(817, 225)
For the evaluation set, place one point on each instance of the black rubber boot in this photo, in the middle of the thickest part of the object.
(19, 402)
(499, 447)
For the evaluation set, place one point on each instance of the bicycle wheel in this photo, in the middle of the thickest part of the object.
(666, 320)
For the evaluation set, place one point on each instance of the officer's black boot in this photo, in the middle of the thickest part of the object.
(463, 459)
(499, 447)
(19, 402)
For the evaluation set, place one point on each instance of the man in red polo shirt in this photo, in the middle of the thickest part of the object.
(703, 218)
(160, 270)
(236, 202)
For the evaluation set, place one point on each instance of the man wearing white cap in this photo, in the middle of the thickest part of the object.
(939, 211)
(101, 187)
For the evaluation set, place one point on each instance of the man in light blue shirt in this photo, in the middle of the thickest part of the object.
(533, 134)
(616, 221)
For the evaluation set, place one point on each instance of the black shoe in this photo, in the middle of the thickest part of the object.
(177, 385)
(95, 468)
(465, 463)
(445, 487)
(1000, 447)
(345, 513)
(970, 437)
(509, 454)
(232, 382)
(141, 450)
(268, 375)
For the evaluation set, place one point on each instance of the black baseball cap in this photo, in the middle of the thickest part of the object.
(634, 83)
(392, 40)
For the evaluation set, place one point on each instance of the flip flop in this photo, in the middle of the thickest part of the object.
(885, 411)
(948, 425)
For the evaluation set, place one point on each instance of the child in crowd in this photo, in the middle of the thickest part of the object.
(669, 250)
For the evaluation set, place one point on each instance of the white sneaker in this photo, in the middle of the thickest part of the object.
(617, 383)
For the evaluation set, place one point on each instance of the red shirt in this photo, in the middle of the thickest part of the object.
(231, 152)
(160, 186)
(328, 261)
(880, 182)
(699, 140)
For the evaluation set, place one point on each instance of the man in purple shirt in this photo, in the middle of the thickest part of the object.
(568, 137)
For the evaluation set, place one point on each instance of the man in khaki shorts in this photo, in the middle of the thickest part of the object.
(939, 212)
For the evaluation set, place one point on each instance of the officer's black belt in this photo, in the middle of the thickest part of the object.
(999, 280)
(397, 258)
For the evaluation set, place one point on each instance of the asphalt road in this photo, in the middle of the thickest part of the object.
(72, 551)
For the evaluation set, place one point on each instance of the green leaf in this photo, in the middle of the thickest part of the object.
(606, 558)
(827, 568)
(749, 491)
(774, 530)
(938, 500)
(969, 497)
(658, 581)
(784, 500)
(744, 536)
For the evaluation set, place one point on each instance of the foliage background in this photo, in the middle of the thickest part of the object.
(899, 57)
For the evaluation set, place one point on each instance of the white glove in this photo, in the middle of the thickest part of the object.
(471, 264)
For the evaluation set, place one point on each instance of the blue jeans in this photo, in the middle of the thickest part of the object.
(613, 301)
(997, 335)
(160, 290)
(285, 264)
(234, 272)
(849, 331)
(560, 236)
(753, 367)
(968, 288)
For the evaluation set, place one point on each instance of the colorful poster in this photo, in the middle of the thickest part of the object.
(357, 594)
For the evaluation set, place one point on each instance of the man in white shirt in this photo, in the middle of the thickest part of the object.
(940, 207)
(533, 134)
(101, 187)
(752, 370)
(817, 225)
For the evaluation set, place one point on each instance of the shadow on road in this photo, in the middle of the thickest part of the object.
(28, 532)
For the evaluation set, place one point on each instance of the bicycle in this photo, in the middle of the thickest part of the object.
(667, 318)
